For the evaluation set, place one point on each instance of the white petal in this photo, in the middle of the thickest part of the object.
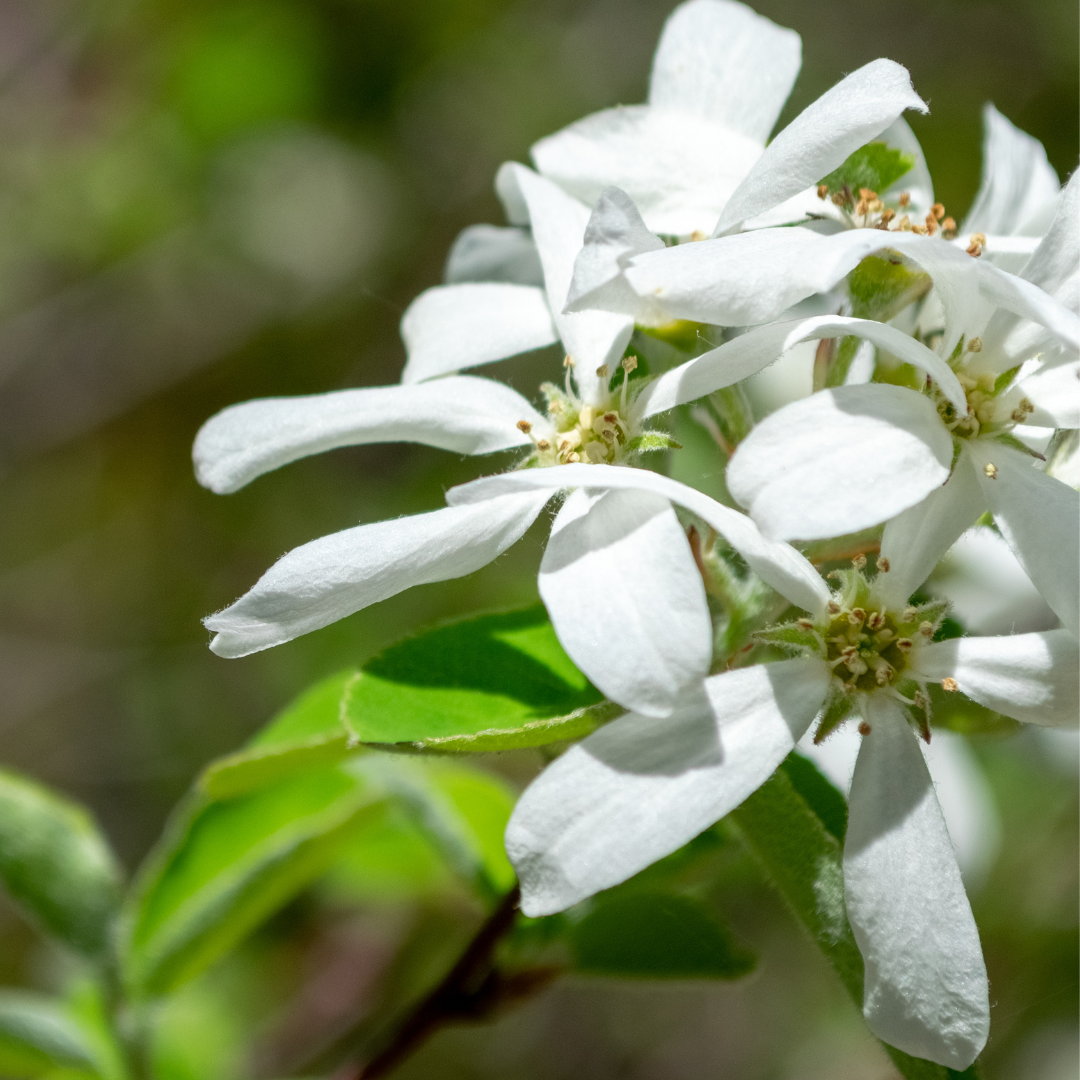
(750, 352)
(592, 338)
(678, 168)
(334, 576)
(925, 985)
(626, 598)
(754, 277)
(1055, 393)
(615, 234)
(460, 413)
(776, 563)
(916, 540)
(451, 327)
(1030, 677)
(493, 253)
(1040, 518)
(1019, 296)
(987, 586)
(721, 61)
(822, 136)
(640, 788)
(1055, 266)
(840, 461)
(1017, 179)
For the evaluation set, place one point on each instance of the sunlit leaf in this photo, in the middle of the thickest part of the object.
(56, 865)
(306, 734)
(493, 682)
(876, 166)
(223, 867)
(657, 935)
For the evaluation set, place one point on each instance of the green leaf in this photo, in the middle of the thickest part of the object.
(306, 734)
(656, 935)
(38, 1036)
(876, 166)
(492, 682)
(652, 440)
(461, 809)
(223, 867)
(880, 288)
(818, 793)
(57, 866)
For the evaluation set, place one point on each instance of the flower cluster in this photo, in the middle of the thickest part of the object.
(674, 252)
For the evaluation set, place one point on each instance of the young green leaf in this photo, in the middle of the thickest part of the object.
(876, 166)
(223, 867)
(818, 793)
(880, 288)
(493, 682)
(645, 934)
(38, 1036)
(57, 866)
(306, 734)
(462, 810)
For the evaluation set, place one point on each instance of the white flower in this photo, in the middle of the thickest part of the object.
(720, 77)
(618, 577)
(639, 789)
(845, 459)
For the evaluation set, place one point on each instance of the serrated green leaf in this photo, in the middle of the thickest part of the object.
(642, 934)
(38, 1036)
(306, 734)
(57, 866)
(492, 682)
(223, 867)
(652, 440)
(462, 810)
(876, 166)
(881, 287)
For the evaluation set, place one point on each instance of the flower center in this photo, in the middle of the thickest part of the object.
(867, 647)
(986, 411)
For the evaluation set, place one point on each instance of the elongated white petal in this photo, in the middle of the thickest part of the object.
(1029, 302)
(1055, 393)
(1030, 677)
(839, 461)
(754, 277)
(460, 413)
(721, 61)
(776, 563)
(678, 168)
(334, 576)
(640, 788)
(1017, 179)
(916, 540)
(493, 253)
(925, 990)
(821, 137)
(1055, 266)
(626, 598)
(615, 234)
(1040, 518)
(750, 352)
(592, 338)
(451, 327)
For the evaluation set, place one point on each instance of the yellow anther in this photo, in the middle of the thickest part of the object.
(568, 362)
(887, 215)
(805, 624)
(922, 230)
(950, 684)
(524, 426)
(975, 345)
(883, 564)
(602, 371)
(856, 616)
(905, 200)
(991, 470)
(976, 245)
(938, 211)
(697, 235)
(859, 562)
(904, 224)
(823, 191)
(905, 644)
(948, 228)
(864, 728)
(867, 194)
(839, 198)
(834, 608)
(875, 621)
(629, 363)
(543, 445)
(573, 459)
(926, 628)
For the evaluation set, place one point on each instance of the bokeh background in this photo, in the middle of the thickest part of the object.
(203, 201)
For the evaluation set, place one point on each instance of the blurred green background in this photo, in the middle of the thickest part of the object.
(203, 202)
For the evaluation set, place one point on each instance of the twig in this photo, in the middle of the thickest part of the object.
(470, 990)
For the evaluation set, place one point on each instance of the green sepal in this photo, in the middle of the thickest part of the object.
(932, 611)
(647, 934)
(881, 287)
(57, 865)
(652, 440)
(840, 364)
(875, 165)
(486, 683)
(682, 333)
(854, 589)
(836, 712)
(306, 734)
(1006, 438)
(791, 637)
(1005, 379)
